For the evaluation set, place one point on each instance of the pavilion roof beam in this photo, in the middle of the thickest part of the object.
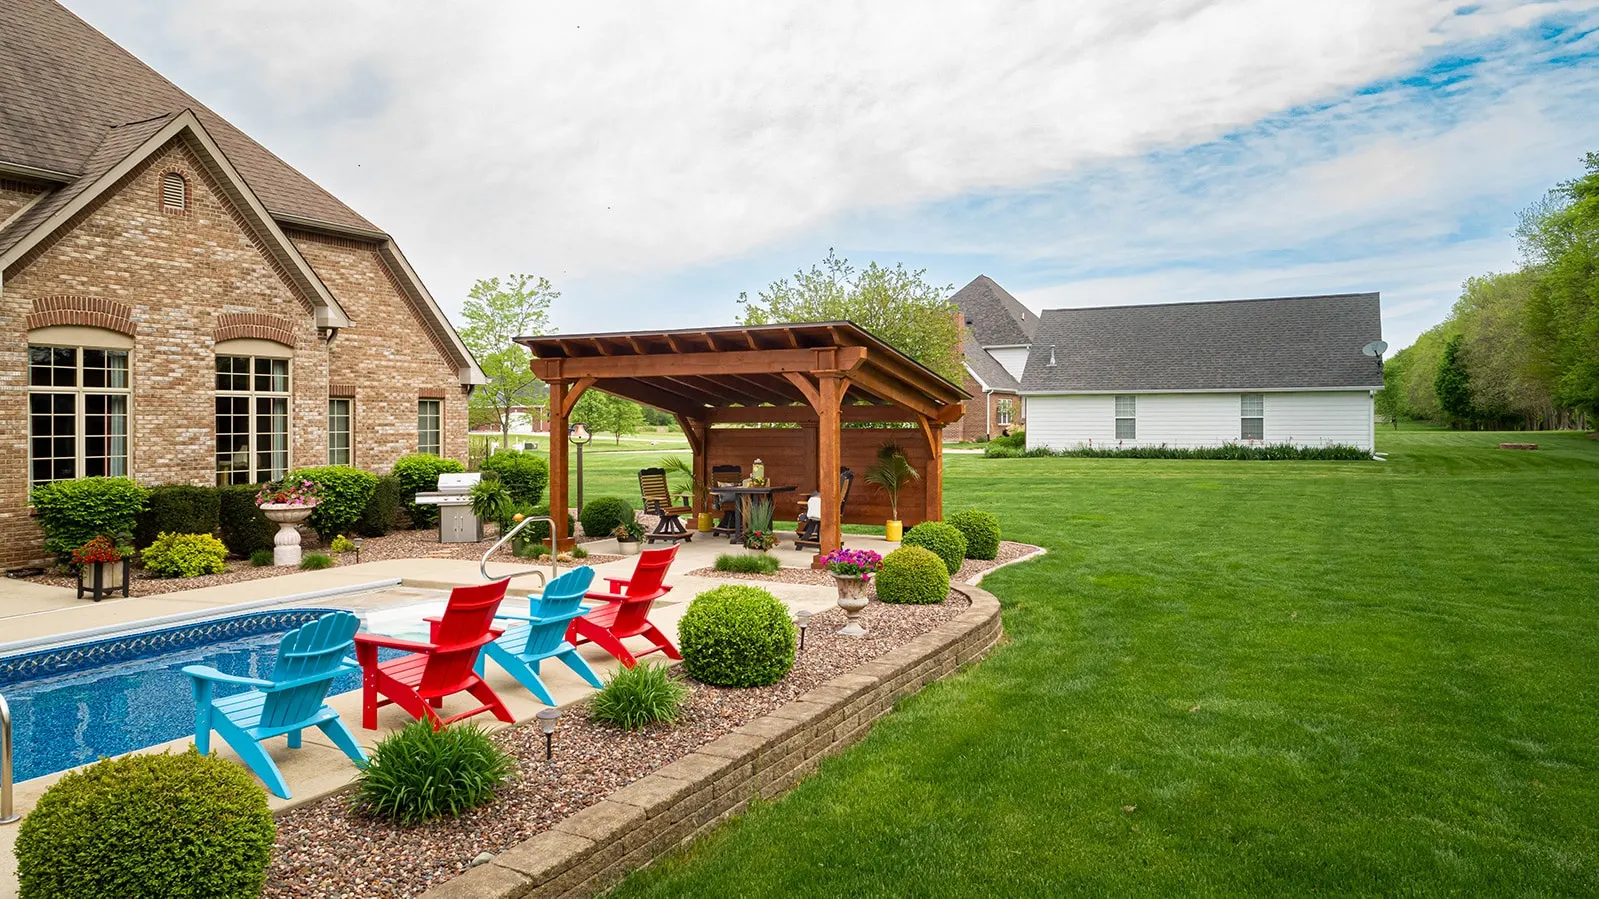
(650, 395)
(708, 364)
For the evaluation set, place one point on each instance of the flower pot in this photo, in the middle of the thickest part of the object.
(628, 547)
(893, 531)
(286, 542)
(704, 522)
(854, 592)
(101, 578)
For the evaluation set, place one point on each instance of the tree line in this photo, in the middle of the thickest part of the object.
(1520, 349)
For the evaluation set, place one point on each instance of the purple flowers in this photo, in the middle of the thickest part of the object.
(288, 493)
(862, 563)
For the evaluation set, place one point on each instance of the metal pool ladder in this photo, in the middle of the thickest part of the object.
(7, 816)
(483, 566)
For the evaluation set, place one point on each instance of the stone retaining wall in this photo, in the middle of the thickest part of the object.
(594, 849)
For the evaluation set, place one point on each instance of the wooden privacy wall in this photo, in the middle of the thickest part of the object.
(790, 457)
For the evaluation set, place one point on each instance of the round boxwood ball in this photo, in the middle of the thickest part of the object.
(945, 542)
(912, 575)
(736, 636)
(185, 826)
(981, 530)
(602, 514)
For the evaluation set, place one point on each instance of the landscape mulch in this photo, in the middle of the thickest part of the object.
(327, 851)
(1009, 551)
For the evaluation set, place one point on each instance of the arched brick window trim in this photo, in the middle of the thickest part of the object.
(233, 325)
(88, 312)
(174, 185)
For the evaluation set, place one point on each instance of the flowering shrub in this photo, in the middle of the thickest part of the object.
(860, 562)
(628, 530)
(101, 550)
(287, 492)
(761, 540)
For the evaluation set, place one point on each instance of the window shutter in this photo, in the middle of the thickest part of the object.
(174, 192)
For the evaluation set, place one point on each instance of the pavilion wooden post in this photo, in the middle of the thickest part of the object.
(829, 458)
(563, 398)
(698, 432)
(933, 477)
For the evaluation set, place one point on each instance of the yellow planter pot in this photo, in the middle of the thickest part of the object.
(893, 530)
(704, 523)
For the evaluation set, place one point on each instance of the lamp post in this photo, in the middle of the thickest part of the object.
(547, 718)
(579, 435)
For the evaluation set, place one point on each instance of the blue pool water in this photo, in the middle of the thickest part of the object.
(71, 707)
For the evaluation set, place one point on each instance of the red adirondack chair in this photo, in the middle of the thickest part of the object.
(419, 682)
(626, 610)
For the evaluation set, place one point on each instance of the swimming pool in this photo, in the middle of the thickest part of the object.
(72, 705)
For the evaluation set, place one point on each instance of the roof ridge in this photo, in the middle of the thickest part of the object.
(1314, 296)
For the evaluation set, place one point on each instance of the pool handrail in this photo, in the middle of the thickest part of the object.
(483, 566)
(6, 815)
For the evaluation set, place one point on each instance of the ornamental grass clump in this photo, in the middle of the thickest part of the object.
(419, 774)
(743, 563)
(634, 698)
(184, 826)
(981, 530)
(912, 575)
(316, 562)
(944, 540)
(737, 636)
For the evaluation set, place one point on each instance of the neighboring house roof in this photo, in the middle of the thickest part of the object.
(1266, 344)
(993, 316)
(986, 369)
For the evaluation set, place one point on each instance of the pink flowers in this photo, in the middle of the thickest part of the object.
(861, 563)
(290, 493)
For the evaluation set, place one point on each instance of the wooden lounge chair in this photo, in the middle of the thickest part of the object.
(658, 501)
(309, 658)
(418, 682)
(522, 647)
(808, 530)
(726, 474)
(626, 610)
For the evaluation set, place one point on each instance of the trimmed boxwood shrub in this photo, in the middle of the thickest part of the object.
(419, 473)
(245, 528)
(346, 490)
(178, 509)
(184, 826)
(944, 540)
(419, 773)
(914, 576)
(981, 530)
(524, 474)
(377, 519)
(602, 514)
(540, 530)
(185, 555)
(71, 513)
(736, 636)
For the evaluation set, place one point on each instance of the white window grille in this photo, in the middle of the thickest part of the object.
(252, 419)
(1252, 416)
(1126, 418)
(78, 399)
(339, 431)
(429, 416)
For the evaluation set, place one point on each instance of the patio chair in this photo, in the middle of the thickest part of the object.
(626, 610)
(726, 474)
(419, 681)
(309, 658)
(522, 647)
(658, 501)
(808, 529)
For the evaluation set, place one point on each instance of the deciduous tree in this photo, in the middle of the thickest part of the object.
(496, 312)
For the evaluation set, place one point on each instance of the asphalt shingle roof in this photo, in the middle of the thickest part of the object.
(64, 86)
(987, 368)
(1287, 342)
(993, 316)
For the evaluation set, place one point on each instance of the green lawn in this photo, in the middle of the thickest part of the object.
(1236, 677)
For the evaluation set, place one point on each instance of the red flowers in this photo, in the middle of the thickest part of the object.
(100, 550)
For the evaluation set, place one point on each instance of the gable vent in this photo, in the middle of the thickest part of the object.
(174, 192)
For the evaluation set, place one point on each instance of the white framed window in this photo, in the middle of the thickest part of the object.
(1005, 412)
(1251, 416)
(78, 400)
(252, 419)
(174, 192)
(339, 431)
(1126, 418)
(429, 416)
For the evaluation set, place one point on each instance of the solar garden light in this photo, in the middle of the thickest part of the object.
(358, 550)
(547, 718)
(802, 619)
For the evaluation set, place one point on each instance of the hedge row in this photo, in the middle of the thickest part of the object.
(1341, 452)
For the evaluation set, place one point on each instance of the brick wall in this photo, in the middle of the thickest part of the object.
(982, 414)
(14, 195)
(181, 275)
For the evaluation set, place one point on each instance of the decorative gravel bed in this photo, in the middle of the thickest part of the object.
(325, 850)
(970, 569)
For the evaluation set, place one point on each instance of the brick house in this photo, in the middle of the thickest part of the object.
(999, 333)
(179, 305)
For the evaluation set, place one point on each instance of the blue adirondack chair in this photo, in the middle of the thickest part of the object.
(309, 658)
(520, 649)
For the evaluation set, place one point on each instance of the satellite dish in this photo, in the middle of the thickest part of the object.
(1375, 348)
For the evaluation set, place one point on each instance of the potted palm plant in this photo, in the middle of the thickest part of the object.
(691, 484)
(890, 473)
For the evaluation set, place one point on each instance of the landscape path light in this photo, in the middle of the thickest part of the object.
(547, 718)
(802, 620)
(358, 542)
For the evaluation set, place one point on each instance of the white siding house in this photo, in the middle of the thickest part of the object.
(1258, 372)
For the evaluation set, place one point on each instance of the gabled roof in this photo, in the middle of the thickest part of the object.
(64, 84)
(1267, 344)
(993, 316)
(986, 369)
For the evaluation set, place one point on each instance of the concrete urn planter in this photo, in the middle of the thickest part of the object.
(854, 593)
(286, 542)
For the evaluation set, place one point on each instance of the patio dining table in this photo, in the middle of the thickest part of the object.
(750, 495)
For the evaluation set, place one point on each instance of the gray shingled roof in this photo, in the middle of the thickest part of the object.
(993, 316)
(987, 369)
(65, 86)
(1288, 342)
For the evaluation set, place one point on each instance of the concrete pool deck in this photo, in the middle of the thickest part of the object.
(319, 769)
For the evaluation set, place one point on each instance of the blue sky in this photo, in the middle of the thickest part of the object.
(655, 160)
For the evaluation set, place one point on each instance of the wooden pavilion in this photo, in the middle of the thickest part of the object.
(807, 379)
